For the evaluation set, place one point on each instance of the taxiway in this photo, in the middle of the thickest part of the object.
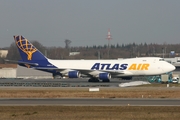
(91, 102)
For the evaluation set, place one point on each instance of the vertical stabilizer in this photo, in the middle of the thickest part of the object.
(27, 51)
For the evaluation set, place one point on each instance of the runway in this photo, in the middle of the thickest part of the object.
(90, 102)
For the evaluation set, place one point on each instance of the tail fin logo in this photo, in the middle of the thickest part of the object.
(25, 46)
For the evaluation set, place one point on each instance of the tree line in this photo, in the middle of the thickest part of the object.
(100, 52)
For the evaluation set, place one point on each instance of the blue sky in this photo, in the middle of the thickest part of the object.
(86, 22)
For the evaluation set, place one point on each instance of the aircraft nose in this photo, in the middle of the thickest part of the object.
(169, 67)
(172, 67)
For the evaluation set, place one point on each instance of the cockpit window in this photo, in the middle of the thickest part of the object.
(161, 59)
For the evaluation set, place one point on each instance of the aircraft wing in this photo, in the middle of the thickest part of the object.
(83, 71)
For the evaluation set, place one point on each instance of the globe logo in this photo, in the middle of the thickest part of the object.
(25, 46)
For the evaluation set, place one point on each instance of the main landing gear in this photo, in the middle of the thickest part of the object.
(93, 80)
(97, 80)
(57, 76)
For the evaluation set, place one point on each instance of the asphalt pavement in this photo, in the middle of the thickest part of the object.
(91, 102)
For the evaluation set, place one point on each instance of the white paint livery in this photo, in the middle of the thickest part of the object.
(157, 66)
(95, 69)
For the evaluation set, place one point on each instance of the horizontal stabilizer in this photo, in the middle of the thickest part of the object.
(47, 68)
(21, 62)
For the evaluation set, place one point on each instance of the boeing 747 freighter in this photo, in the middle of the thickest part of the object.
(96, 70)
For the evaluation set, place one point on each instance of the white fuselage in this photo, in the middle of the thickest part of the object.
(123, 67)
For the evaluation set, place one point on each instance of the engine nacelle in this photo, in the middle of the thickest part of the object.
(104, 76)
(74, 74)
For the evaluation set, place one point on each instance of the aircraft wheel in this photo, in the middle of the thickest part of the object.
(57, 77)
(93, 80)
(105, 80)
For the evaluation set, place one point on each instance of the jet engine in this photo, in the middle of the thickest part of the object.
(74, 74)
(104, 76)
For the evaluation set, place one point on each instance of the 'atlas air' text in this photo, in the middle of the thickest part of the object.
(134, 66)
